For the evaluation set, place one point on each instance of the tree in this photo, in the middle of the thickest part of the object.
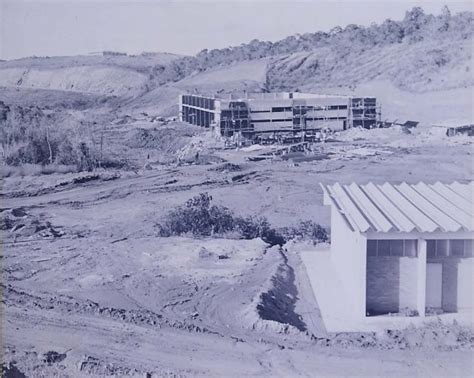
(390, 32)
(444, 19)
(413, 24)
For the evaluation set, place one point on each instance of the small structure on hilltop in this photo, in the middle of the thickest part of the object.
(457, 129)
(401, 250)
(276, 114)
(408, 124)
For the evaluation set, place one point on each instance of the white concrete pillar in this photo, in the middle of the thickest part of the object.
(180, 108)
(421, 278)
(362, 249)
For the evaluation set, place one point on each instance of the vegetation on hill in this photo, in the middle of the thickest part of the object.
(415, 27)
(31, 135)
(421, 46)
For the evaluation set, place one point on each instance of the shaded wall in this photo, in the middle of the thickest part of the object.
(391, 284)
(457, 282)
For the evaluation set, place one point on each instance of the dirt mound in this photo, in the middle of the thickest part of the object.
(44, 186)
(22, 224)
(11, 371)
(358, 134)
(278, 303)
(166, 139)
(97, 367)
(433, 335)
(53, 357)
(227, 167)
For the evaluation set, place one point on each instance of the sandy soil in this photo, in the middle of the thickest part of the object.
(171, 307)
(85, 276)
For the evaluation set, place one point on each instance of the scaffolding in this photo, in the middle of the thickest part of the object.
(297, 117)
(363, 112)
(236, 119)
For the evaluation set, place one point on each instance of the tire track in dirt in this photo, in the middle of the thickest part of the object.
(231, 307)
(223, 306)
(143, 317)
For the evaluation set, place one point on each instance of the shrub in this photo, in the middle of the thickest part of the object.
(86, 161)
(258, 227)
(199, 217)
(252, 227)
(66, 153)
(29, 136)
(306, 230)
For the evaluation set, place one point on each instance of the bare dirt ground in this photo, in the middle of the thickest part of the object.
(89, 288)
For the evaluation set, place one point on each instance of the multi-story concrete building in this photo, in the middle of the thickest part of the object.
(257, 113)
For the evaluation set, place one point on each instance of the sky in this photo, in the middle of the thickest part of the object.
(74, 27)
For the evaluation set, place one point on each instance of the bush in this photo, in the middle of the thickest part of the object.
(85, 160)
(258, 227)
(306, 230)
(66, 153)
(252, 227)
(199, 217)
(29, 136)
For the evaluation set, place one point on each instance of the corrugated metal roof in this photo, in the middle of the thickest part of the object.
(405, 207)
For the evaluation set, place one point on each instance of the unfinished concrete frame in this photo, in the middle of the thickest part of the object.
(285, 112)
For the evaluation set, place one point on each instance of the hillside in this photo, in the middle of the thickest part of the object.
(248, 76)
(420, 67)
(423, 59)
(106, 74)
(421, 53)
(428, 81)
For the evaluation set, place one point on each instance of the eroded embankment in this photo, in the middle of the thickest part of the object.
(279, 301)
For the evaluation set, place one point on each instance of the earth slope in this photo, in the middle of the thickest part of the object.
(425, 73)
(100, 74)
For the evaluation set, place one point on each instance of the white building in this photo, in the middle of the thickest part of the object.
(399, 249)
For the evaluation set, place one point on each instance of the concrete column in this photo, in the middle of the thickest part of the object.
(180, 111)
(421, 278)
(362, 268)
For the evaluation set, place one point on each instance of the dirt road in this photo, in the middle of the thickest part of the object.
(86, 277)
(170, 307)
